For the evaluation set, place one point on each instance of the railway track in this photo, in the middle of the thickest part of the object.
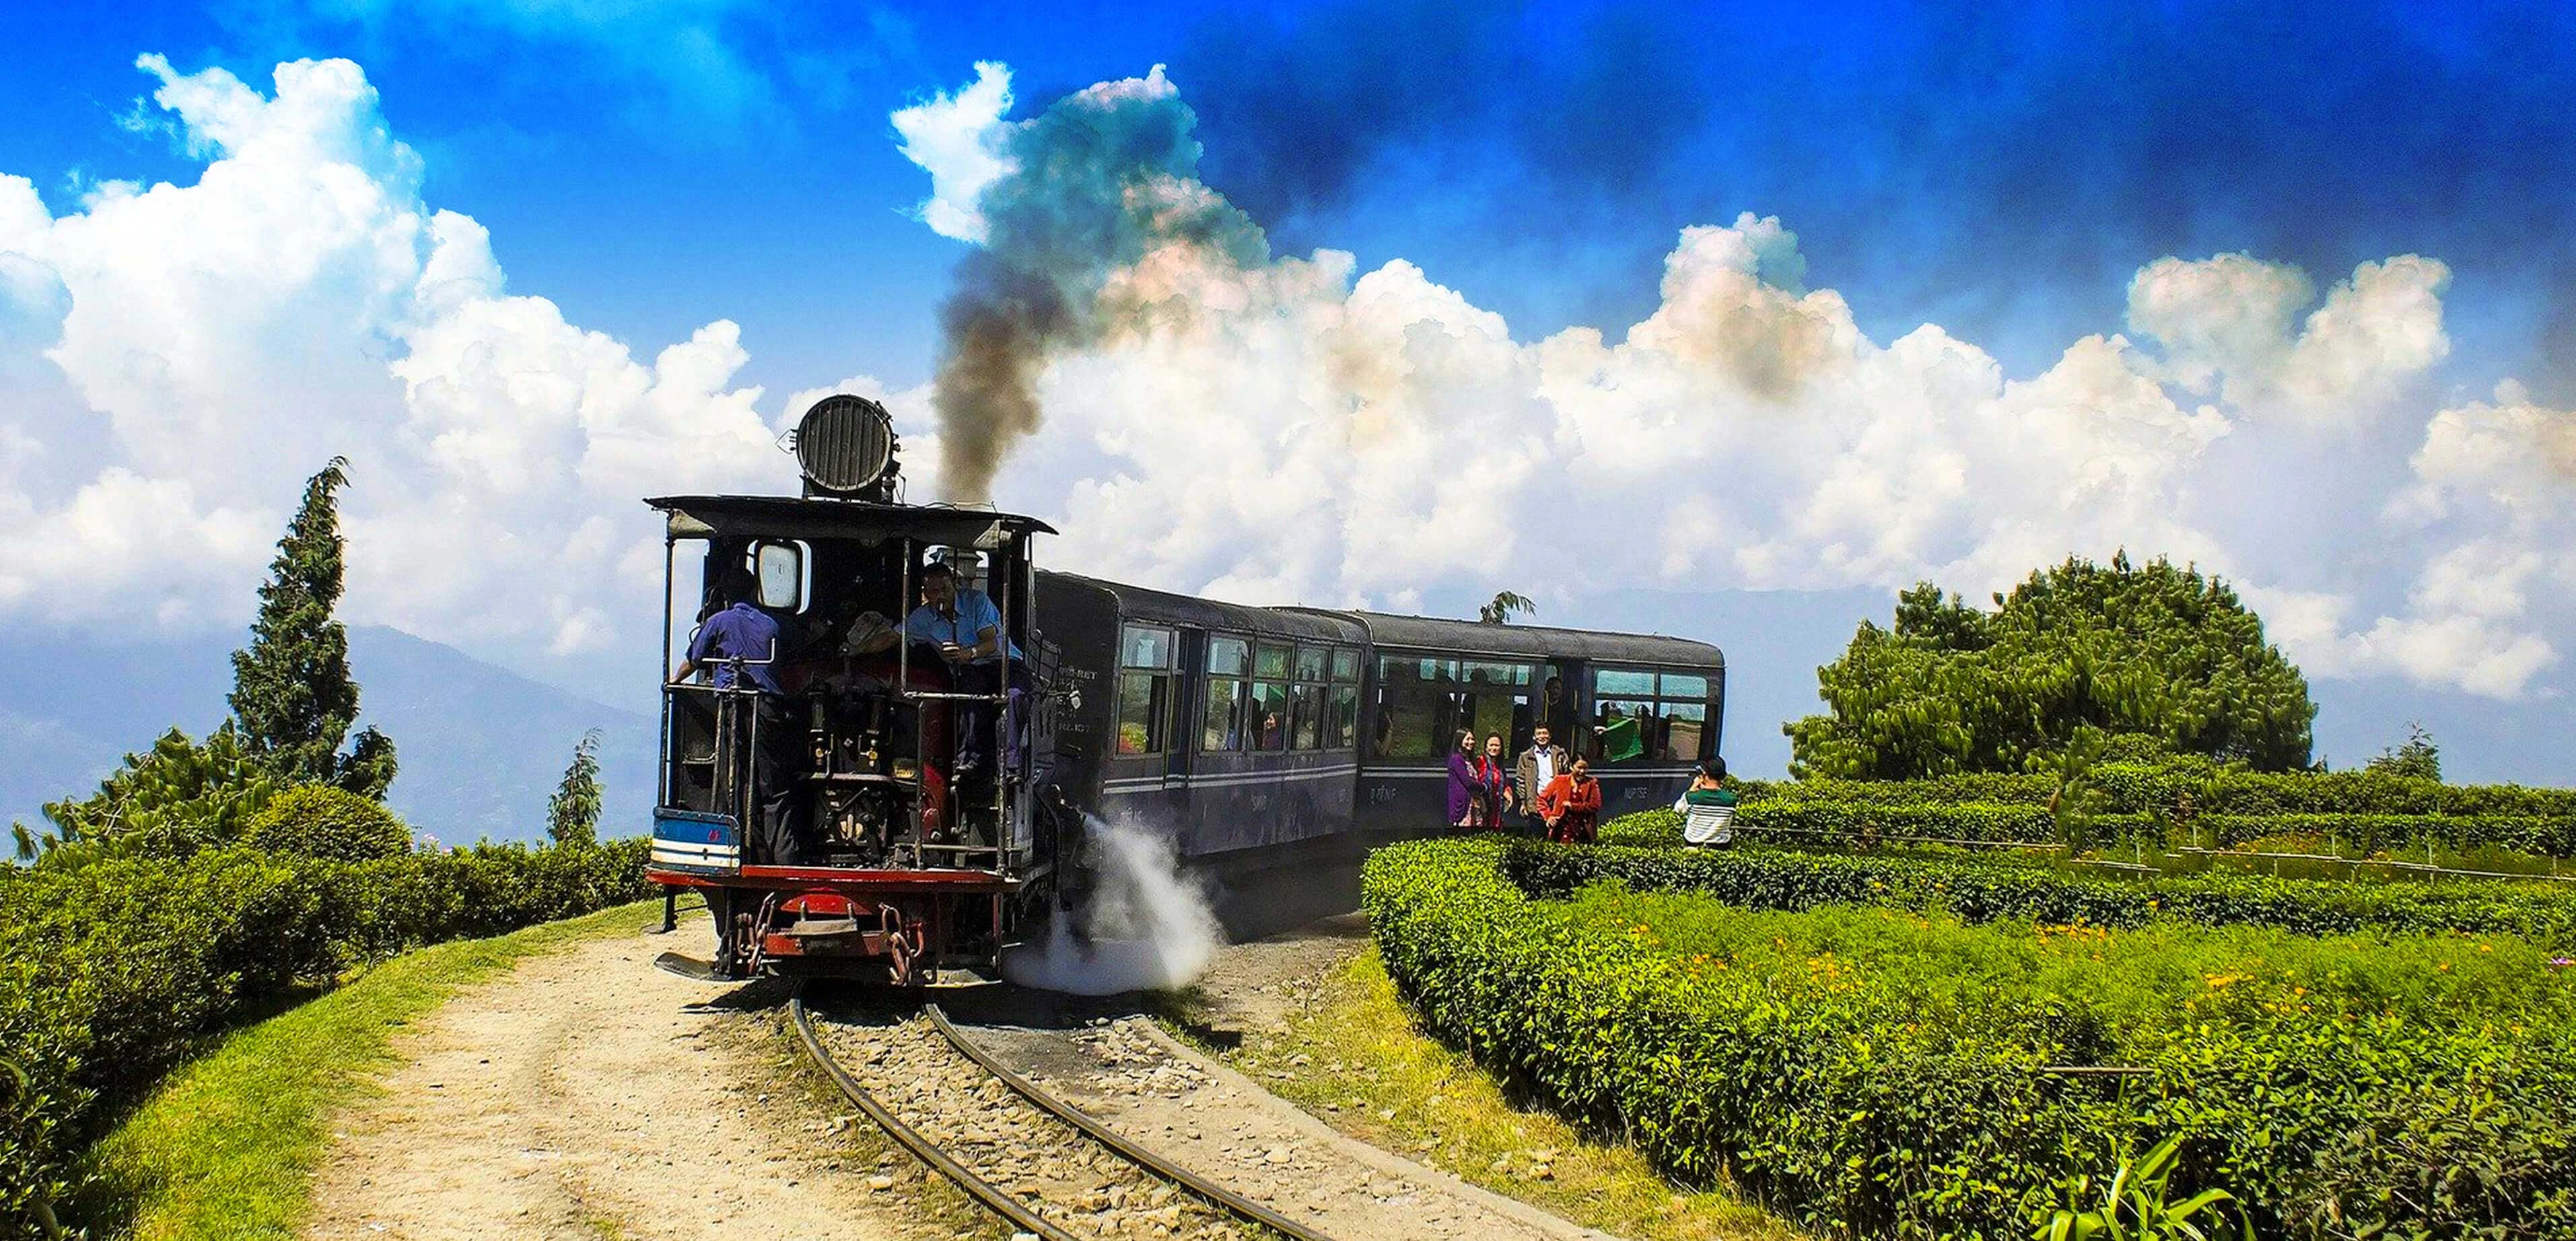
(1041, 1163)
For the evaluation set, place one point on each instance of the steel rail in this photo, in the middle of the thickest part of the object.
(976, 1187)
(1241, 1206)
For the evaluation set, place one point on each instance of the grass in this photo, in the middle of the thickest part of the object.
(1352, 1057)
(227, 1146)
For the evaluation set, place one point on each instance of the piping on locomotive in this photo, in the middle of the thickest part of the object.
(1273, 746)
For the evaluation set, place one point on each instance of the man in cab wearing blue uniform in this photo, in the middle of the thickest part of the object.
(738, 643)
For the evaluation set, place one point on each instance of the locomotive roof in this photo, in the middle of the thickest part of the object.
(1535, 641)
(792, 517)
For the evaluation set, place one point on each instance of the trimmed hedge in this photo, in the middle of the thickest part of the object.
(1851, 813)
(1876, 1073)
(110, 971)
(1981, 889)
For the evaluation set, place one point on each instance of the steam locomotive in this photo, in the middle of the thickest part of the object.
(1272, 747)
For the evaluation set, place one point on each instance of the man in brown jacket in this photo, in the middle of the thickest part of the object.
(1543, 762)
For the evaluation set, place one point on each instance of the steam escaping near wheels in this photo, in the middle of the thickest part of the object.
(1147, 926)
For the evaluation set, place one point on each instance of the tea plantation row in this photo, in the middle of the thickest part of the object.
(2373, 812)
(110, 971)
(1979, 889)
(1881, 1070)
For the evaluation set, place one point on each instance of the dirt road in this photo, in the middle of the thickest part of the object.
(587, 1095)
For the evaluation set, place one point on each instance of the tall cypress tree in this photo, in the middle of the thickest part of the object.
(291, 686)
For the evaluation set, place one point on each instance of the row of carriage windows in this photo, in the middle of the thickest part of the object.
(1260, 694)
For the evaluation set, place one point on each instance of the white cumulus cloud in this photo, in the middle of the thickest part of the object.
(211, 344)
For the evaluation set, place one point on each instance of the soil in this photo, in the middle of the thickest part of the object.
(589, 1095)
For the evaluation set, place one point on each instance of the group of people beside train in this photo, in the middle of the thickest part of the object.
(1549, 792)
(738, 641)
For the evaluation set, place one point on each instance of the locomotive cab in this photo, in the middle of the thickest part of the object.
(854, 792)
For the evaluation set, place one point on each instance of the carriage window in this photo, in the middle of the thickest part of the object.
(1685, 724)
(1269, 716)
(1422, 704)
(1306, 723)
(1346, 664)
(1143, 647)
(1310, 663)
(1271, 662)
(1646, 717)
(1143, 706)
(1408, 706)
(1342, 717)
(1622, 682)
(1145, 686)
(1221, 725)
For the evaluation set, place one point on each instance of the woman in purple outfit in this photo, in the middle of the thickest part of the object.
(1466, 784)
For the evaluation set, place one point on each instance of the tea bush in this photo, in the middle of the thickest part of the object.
(111, 970)
(1850, 813)
(334, 825)
(1979, 889)
(1881, 1072)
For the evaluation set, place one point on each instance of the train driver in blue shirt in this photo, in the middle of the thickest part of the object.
(740, 631)
(965, 628)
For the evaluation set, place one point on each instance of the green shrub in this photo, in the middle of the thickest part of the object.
(1981, 888)
(328, 824)
(1847, 814)
(113, 967)
(1878, 1072)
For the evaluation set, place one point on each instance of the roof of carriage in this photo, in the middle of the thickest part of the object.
(1147, 604)
(1461, 637)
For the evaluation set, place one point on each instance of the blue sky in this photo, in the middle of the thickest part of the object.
(1634, 298)
(2000, 169)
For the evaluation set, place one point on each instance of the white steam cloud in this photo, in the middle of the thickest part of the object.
(1147, 927)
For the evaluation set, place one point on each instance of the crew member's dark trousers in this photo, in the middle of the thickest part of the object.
(777, 768)
(976, 742)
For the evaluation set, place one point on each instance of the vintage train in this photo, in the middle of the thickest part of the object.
(1273, 747)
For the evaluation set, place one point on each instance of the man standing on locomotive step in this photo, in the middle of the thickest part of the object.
(1537, 768)
(967, 629)
(741, 635)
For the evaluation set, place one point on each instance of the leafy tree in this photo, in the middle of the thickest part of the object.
(572, 814)
(170, 801)
(1506, 604)
(2126, 649)
(291, 687)
(2418, 759)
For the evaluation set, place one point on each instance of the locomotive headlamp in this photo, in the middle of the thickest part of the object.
(846, 447)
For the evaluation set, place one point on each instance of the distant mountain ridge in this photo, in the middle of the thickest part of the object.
(481, 747)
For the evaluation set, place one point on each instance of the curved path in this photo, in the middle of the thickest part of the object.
(588, 1095)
